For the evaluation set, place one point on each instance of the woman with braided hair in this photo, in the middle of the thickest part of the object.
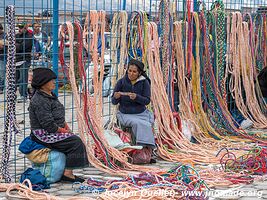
(132, 92)
(48, 125)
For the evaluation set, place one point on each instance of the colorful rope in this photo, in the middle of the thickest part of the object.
(10, 120)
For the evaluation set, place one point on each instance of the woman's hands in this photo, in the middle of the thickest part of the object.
(117, 95)
(66, 129)
(62, 130)
(132, 96)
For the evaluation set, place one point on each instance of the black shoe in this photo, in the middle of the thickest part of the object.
(72, 180)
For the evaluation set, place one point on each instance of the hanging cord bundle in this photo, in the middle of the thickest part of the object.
(172, 145)
(215, 106)
(264, 46)
(240, 67)
(118, 45)
(184, 84)
(10, 120)
(199, 128)
(215, 102)
(202, 118)
(259, 41)
(91, 32)
(118, 52)
(217, 9)
(185, 87)
(189, 39)
(137, 36)
(63, 36)
(100, 154)
(252, 45)
(165, 30)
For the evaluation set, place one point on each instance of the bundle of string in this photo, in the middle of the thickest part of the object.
(260, 38)
(214, 104)
(137, 36)
(252, 44)
(264, 40)
(10, 118)
(185, 86)
(253, 162)
(168, 135)
(62, 36)
(118, 51)
(202, 118)
(179, 178)
(165, 32)
(172, 145)
(189, 39)
(100, 154)
(219, 39)
(118, 45)
(240, 68)
(24, 191)
(212, 98)
(186, 110)
(200, 127)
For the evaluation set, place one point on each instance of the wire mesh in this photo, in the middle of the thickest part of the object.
(42, 18)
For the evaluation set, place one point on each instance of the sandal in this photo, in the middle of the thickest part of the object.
(72, 180)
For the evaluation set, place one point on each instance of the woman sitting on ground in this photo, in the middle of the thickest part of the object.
(48, 125)
(133, 92)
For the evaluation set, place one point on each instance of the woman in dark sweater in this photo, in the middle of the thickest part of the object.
(48, 125)
(132, 93)
(262, 77)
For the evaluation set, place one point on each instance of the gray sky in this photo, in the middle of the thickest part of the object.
(35, 6)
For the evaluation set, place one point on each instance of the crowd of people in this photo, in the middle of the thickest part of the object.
(30, 45)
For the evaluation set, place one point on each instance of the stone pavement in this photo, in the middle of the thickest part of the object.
(256, 190)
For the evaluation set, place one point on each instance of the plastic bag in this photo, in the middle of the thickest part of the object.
(37, 179)
(54, 167)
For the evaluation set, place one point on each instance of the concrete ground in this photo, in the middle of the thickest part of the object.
(256, 190)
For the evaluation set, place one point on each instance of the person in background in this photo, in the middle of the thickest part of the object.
(132, 93)
(49, 127)
(24, 43)
(262, 78)
(40, 40)
(3, 52)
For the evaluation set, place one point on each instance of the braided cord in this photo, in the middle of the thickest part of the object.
(258, 24)
(164, 15)
(218, 11)
(10, 121)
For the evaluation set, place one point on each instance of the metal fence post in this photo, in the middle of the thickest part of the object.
(124, 5)
(55, 40)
